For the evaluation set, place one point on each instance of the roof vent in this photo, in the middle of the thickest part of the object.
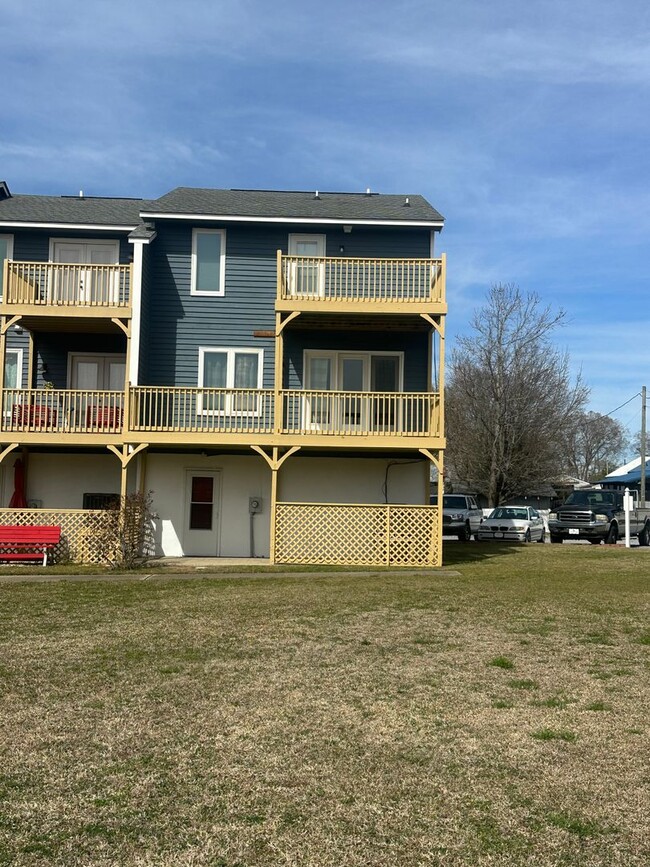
(368, 193)
(4, 190)
(317, 195)
(407, 204)
(81, 194)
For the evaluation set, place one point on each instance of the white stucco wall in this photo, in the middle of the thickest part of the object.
(327, 480)
(352, 480)
(240, 478)
(60, 480)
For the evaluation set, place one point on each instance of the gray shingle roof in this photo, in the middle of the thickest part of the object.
(188, 201)
(294, 205)
(71, 209)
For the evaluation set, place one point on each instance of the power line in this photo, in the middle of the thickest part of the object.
(634, 396)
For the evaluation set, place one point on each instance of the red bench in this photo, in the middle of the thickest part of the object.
(33, 416)
(28, 543)
(104, 417)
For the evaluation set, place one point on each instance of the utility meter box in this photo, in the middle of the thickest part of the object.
(254, 505)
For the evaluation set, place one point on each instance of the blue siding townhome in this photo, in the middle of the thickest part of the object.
(268, 365)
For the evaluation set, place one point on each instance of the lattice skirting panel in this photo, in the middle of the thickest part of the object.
(357, 535)
(78, 539)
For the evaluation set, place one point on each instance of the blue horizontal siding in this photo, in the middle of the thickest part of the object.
(54, 349)
(176, 323)
(414, 345)
(34, 245)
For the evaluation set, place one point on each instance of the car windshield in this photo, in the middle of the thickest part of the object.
(451, 502)
(511, 513)
(590, 498)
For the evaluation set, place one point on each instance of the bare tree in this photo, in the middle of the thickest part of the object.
(593, 444)
(509, 396)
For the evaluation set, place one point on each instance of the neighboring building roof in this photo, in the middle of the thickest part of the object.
(73, 210)
(287, 206)
(629, 473)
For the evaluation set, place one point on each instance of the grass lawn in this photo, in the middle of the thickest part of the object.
(501, 716)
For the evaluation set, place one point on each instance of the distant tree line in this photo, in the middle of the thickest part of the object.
(515, 415)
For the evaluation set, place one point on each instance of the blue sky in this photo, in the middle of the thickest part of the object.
(525, 124)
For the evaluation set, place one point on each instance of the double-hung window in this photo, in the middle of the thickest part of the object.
(238, 372)
(6, 252)
(208, 262)
(13, 368)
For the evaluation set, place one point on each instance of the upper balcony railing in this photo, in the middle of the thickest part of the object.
(348, 282)
(51, 285)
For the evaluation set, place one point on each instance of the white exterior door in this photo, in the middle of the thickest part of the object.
(98, 372)
(201, 527)
(86, 286)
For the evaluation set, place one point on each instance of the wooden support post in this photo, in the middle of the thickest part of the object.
(274, 461)
(436, 541)
(124, 474)
(3, 344)
(279, 349)
(274, 500)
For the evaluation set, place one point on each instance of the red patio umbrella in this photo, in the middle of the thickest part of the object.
(18, 500)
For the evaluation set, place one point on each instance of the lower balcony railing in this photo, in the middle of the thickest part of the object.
(221, 411)
(201, 410)
(352, 413)
(65, 411)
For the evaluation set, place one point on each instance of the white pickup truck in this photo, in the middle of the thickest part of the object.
(461, 516)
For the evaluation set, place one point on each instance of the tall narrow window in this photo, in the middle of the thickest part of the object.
(208, 262)
(13, 368)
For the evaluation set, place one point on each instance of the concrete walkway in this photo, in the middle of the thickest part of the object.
(191, 568)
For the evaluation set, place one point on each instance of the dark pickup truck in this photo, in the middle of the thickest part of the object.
(597, 515)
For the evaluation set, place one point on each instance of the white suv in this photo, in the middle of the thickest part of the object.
(461, 516)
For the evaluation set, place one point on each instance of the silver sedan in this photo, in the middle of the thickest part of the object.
(512, 524)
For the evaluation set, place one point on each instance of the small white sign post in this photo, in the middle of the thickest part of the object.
(628, 505)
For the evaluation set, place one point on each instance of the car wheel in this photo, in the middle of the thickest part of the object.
(466, 534)
(612, 534)
(644, 537)
(527, 536)
(542, 538)
(595, 541)
(556, 540)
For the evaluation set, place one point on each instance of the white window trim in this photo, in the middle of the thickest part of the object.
(222, 263)
(19, 365)
(296, 237)
(230, 352)
(10, 254)
(335, 356)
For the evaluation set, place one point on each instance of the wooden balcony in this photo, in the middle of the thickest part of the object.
(51, 289)
(62, 416)
(245, 416)
(361, 414)
(176, 415)
(345, 285)
(162, 414)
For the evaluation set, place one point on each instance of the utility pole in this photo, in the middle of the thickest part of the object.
(642, 484)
